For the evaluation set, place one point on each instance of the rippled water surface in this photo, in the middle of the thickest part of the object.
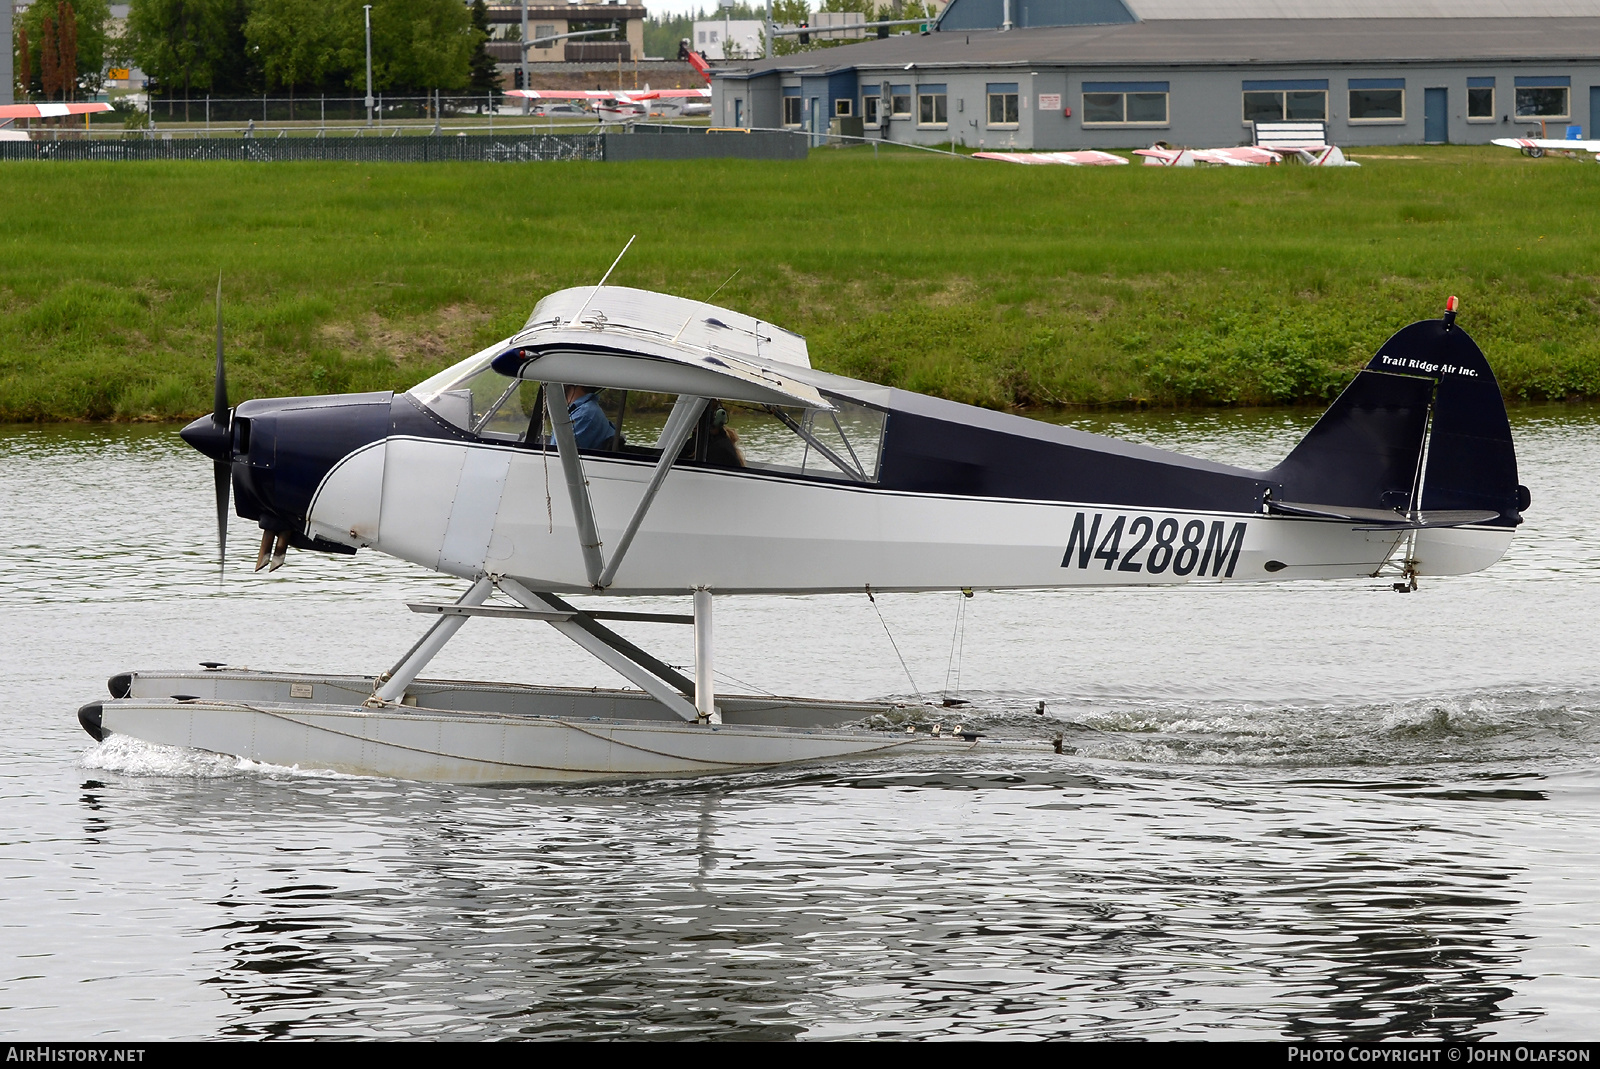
(1296, 810)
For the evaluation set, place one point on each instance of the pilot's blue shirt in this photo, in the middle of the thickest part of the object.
(589, 424)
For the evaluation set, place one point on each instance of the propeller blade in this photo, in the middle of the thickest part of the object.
(222, 472)
(219, 405)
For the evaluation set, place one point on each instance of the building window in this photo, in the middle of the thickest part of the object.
(544, 31)
(900, 102)
(1480, 99)
(1125, 103)
(1003, 104)
(713, 36)
(869, 109)
(1543, 98)
(738, 111)
(1292, 101)
(841, 106)
(791, 106)
(1377, 99)
(933, 105)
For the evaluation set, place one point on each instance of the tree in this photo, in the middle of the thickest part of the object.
(90, 20)
(482, 78)
(416, 44)
(49, 58)
(24, 67)
(295, 42)
(182, 42)
(67, 43)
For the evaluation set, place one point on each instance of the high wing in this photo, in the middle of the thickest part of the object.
(563, 94)
(665, 94)
(49, 111)
(617, 337)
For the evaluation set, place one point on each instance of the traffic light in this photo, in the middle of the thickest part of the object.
(517, 78)
(805, 38)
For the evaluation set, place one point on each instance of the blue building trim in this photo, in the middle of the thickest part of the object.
(1292, 83)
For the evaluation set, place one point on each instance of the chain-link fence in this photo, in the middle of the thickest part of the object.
(326, 109)
(462, 147)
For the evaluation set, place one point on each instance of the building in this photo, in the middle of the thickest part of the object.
(1126, 73)
(8, 77)
(554, 20)
(722, 39)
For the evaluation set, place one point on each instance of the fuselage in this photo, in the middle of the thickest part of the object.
(957, 497)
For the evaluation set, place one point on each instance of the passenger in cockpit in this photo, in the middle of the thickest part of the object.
(722, 441)
(589, 424)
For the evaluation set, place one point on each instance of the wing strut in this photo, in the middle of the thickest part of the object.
(577, 485)
(680, 424)
(625, 662)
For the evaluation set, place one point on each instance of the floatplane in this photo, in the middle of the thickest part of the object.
(826, 485)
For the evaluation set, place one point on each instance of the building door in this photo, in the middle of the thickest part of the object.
(1436, 116)
(819, 123)
(738, 111)
(1594, 111)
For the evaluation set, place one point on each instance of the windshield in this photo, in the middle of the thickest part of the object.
(474, 396)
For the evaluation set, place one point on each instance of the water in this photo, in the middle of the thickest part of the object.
(1299, 810)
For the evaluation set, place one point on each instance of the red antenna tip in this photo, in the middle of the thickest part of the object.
(1450, 305)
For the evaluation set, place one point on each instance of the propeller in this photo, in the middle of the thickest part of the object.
(213, 436)
(221, 470)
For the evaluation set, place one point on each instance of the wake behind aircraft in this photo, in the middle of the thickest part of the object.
(825, 484)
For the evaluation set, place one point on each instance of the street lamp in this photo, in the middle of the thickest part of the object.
(367, 8)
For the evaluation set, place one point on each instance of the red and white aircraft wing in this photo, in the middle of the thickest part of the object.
(561, 94)
(49, 110)
(665, 94)
(1538, 146)
(1086, 158)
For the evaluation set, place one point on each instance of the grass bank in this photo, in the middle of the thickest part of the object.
(987, 283)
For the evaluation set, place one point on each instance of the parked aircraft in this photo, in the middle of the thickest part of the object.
(1539, 146)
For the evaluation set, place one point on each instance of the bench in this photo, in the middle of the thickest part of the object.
(1291, 135)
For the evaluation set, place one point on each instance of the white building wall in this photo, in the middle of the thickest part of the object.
(712, 36)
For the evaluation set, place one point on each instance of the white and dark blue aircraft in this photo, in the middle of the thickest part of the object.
(827, 484)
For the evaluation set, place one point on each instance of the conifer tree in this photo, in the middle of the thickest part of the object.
(49, 59)
(24, 64)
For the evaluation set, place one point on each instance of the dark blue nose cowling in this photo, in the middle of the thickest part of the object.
(281, 448)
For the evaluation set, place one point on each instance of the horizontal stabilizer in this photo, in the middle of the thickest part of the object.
(1385, 519)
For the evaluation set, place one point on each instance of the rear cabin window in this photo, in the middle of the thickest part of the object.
(846, 444)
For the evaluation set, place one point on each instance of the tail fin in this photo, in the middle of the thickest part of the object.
(1427, 400)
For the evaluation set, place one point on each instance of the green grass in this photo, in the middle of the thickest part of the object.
(988, 283)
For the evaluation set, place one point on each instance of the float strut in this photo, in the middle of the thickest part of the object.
(391, 686)
(705, 692)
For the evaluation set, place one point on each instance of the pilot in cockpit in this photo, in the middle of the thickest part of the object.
(590, 426)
